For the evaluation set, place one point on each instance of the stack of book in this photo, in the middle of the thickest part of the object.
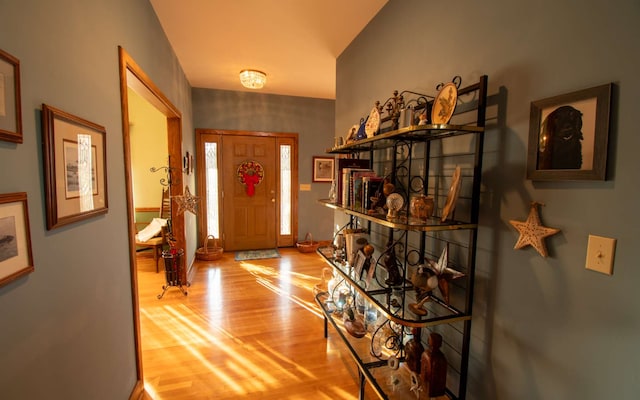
(357, 183)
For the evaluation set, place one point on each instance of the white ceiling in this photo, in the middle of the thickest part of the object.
(295, 42)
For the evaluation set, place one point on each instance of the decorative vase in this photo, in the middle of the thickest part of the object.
(433, 368)
(413, 350)
(332, 192)
(335, 286)
(325, 277)
(421, 207)
(370, 316)
(406, 117)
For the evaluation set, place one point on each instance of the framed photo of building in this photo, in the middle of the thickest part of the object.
(16, 259)
(568, 136)
(10, 109)
(75, 167)
(323, 169)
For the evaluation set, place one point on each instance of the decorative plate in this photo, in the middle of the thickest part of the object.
(444, 104)
(373, 123)
(454, 190)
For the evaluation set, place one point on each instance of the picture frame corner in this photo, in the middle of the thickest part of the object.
(15, 234)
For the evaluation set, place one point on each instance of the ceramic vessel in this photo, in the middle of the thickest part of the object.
(413, 350)
(421, 207)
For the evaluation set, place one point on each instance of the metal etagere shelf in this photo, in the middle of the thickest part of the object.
(426, 159)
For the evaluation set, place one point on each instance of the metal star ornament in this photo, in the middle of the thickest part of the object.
(532, 233)
(444, 273)
(186, 202)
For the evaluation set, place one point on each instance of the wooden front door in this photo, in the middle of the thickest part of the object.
(249, 198)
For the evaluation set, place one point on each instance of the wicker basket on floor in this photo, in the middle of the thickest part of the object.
(308, 245)
(209, 251)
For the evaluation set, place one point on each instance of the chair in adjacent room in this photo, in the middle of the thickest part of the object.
(154, 234)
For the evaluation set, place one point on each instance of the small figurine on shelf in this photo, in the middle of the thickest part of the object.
(354, 325)
(367, 252)
(333, 192)
(379, 201)
(394, 365)
(339, 248)
(351, 135)
(434, 367)
(423, 117)
(361, 133)
(390, 263)
(424, 280)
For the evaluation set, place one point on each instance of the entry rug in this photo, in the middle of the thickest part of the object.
(256, 254)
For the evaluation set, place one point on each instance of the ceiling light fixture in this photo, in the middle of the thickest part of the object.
(252, 79)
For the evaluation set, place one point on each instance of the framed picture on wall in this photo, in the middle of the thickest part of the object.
(568, 136)
(75, 167)
(323, 169)
(16, 259)
(10, 110)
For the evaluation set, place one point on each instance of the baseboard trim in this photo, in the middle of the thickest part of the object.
(138, 392)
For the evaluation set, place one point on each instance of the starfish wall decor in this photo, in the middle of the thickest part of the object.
(532, 233)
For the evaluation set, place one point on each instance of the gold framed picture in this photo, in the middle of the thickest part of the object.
(16, 259)
(75, 167)
(10, 108)
(323, 169)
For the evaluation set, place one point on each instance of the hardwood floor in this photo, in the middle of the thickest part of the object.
(245, 330)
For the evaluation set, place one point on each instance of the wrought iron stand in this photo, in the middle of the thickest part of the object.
(173, 271)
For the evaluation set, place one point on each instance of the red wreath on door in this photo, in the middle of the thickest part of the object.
(250, 174)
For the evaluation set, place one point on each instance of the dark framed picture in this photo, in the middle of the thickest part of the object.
(75, 167)
(323, 169)
(359, 264)
(187, 163)
(10, 110)
(16, 259)
(568, 136)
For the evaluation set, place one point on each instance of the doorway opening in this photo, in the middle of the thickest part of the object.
(132, 78)
(247, 185)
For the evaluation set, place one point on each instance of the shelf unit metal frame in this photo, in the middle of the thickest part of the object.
(408, 136)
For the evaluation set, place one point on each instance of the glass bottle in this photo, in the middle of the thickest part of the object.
(413, 350)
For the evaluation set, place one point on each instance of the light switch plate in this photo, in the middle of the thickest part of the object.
(305, 187)
(600, 252)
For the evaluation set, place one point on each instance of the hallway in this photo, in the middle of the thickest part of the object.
(246, 330)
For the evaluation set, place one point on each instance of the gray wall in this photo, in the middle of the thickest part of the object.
(312, 119)
(542, 328)
(66, 330)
